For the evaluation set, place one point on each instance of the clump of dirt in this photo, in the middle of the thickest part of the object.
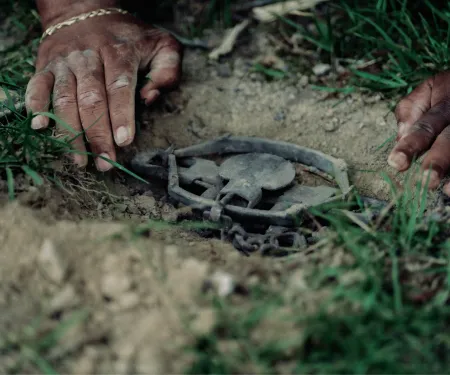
(127, 305)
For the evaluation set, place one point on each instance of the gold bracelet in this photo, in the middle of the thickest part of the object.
(81, 17)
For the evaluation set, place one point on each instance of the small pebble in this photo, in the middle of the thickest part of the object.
(121, 207)
(64, 299)
(303, 81)
(224, 71)
(133, 209)
(258, 77)
(317, 236)
(332, 125)
(373, 99)
(280, 116)
(381, 122)
(223, 283)
(118, 215)
(321, 69)
(51, 263)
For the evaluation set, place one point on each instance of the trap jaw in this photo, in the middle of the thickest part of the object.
(257, 166)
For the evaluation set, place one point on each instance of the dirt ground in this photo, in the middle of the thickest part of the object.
(140, 301)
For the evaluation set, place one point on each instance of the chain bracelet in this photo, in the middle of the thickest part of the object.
(81, 17)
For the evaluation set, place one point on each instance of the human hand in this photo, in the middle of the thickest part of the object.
(90, 68)
(423, 125)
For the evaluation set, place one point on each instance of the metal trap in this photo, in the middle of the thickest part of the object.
(250, 186)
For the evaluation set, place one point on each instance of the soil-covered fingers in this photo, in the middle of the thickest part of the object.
(38, 97)
(165, 69)
(93, 105)
(121, 67)
(66, 108)
(421, 136)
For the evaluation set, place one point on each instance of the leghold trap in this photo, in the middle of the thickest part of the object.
(252, 187)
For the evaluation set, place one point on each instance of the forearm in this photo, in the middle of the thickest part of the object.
(54, 11)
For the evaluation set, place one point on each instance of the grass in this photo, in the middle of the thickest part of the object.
(215, 13)
(384, 307)
(389, 46)
(23, 150)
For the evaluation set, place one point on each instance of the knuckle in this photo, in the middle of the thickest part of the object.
(60, 68)
(96, 138)
(100, 140)
(170, 80)
(171, 43)
(170, 59)
(90, 74)
(405, 103)
(90, 99)
(109, 50)
(33, 103)
(64, 101)
(425, 128)
(168, 40)
(35, 100)
(162, 39)
(442, 109)
(118, 50)
(118, 83)
(118, 117)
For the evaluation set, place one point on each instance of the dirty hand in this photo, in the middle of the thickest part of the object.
(90, 70)
(424, 125)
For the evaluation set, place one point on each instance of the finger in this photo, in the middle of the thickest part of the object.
(437, 162)
(93, 105)
(120, 79)
(421, 136)
(165, 70)
(37, 97)
(412, 107)
(66, 108)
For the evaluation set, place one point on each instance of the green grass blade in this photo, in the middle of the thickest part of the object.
(59, 121)
(10, 183)
(38, 180)
(40, 362)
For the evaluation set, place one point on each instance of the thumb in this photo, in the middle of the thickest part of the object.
(164, 71)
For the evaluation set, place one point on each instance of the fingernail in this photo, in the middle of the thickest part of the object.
(447, 189)
(431, 178)
(122, 135)
(103, 165)
(398, 160)
(38, 122)
(151, 96)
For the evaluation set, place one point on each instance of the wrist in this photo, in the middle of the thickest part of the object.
(55, 11)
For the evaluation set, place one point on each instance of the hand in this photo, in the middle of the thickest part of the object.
(91, 70)
(423, 125)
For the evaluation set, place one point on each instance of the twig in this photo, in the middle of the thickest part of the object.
(229, 41)
(253, 4)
